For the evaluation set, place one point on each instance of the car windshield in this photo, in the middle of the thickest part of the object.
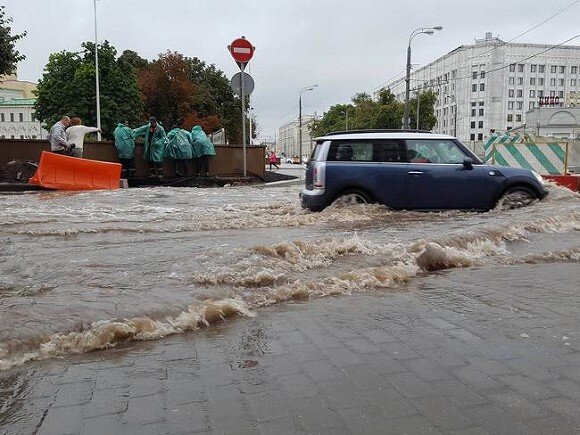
(442, 151)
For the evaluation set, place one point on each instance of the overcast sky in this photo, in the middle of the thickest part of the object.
(343, 46)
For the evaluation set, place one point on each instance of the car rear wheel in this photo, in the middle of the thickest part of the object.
(517, 197)
(355, 196)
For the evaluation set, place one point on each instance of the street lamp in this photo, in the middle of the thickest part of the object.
(306, 89)
(97, 77)
(419, 31)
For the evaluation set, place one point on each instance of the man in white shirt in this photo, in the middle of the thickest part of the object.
(76, 134)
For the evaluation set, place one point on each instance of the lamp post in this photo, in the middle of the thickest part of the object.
(306, 89)
(419, 31)
(97, 76)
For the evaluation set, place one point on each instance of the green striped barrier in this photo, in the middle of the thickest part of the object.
(520, 151)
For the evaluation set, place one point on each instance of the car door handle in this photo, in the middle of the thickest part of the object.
(415, 173)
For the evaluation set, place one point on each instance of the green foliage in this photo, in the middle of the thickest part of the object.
(382, 112)
(9, 56)
(68, 88)
(131, 58)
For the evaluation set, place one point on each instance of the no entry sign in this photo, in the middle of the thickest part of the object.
(242, 50)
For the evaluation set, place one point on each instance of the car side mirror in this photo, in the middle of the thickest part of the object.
(468, 163)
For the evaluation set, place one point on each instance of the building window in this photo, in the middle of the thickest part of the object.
(541, 68)
(532, 93)
(532, 80)
(533, 68)
(482, 86)
(479, 136)
(1, 117)
(481, 103)
(472, 124)
(21, 137)
(512, 80)
(552, 93)
(480, 124)
(553, 69)
(480, 112)
(513, 67)
(520, 93)
(532, 105)
(510, 117)
(474, 75)
(519, 105)
(12, 118)
(510, 105)
(562, 69)
(474, 87)
(561, 82)
(21, 117)
(561, 94)
(541, 81)
(511, 93)
(482, 74)
(520, 67)
(472, 136)
(540, 93)
(552, 82)
(11, 136)
(573, 82)
(574, 70)
(520, 80)
(473, 103)
(33, 136)
(473, 112)
(518, 117)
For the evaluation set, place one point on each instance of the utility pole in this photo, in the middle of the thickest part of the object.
(97, 76)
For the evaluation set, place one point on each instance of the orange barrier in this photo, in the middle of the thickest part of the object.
(56, 171)
(572, 182)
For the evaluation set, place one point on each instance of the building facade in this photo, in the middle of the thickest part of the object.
(17, 120)
(288, 138)
(490, 85)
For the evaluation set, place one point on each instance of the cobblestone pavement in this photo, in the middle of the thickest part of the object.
(465, 352)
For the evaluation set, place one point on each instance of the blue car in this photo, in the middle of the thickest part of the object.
(411, 170)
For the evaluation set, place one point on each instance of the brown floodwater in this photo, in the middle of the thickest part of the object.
(86, 271)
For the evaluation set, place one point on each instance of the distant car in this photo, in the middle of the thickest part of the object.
(288, 160)
(405, 169)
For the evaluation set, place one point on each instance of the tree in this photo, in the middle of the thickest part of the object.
(9, 56)
(136, 62)
(383, 112)
(187, 91)
(68, 88)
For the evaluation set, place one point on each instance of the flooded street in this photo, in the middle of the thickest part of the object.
(86, 271)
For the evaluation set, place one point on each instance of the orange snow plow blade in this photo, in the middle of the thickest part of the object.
(60, 172)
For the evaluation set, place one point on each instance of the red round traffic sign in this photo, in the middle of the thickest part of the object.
(242, 50)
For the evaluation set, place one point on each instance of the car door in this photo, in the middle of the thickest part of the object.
(438, 179)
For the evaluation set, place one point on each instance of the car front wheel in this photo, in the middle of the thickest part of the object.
(517, 197)
(355, 196)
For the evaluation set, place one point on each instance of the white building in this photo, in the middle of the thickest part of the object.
(288, 138)
(491, 84)
(17, 120)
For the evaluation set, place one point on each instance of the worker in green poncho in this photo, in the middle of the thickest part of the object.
(125, 144)
(178, 147)
(202, 149)
(154, 135)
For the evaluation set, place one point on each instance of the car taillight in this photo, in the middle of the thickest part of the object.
(317, 177)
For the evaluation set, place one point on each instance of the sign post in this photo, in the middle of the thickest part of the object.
(242, 51)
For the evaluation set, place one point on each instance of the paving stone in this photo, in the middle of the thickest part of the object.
(528, 387)
(144, 410)
(362, 420)
(389, 402)
(443, 414)
(516, 404)
(314, 414)
(457, 392)
(269, 406)
(414, 425)
(186, 418)
(410, 385)
(298, 386)
(64, 420)
(564, 407)
(498, 420)
(105, 402)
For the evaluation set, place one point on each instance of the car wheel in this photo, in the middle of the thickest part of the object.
(517, 197)
(355, 196)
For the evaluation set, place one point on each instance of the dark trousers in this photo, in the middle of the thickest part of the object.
(204, 165)
(128, 165)
(180, 168)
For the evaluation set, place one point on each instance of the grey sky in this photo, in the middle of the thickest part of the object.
(343, 46)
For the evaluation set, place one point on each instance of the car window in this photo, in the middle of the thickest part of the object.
(434, 151)
(389, 151)
(354, 151)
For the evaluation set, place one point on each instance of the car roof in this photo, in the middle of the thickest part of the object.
(382, 135)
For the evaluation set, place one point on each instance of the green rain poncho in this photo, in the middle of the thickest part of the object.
(202, 146)
(156, 151)
(178, 145)
(124, 141)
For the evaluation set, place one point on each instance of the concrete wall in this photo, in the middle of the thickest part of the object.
(227, 161)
